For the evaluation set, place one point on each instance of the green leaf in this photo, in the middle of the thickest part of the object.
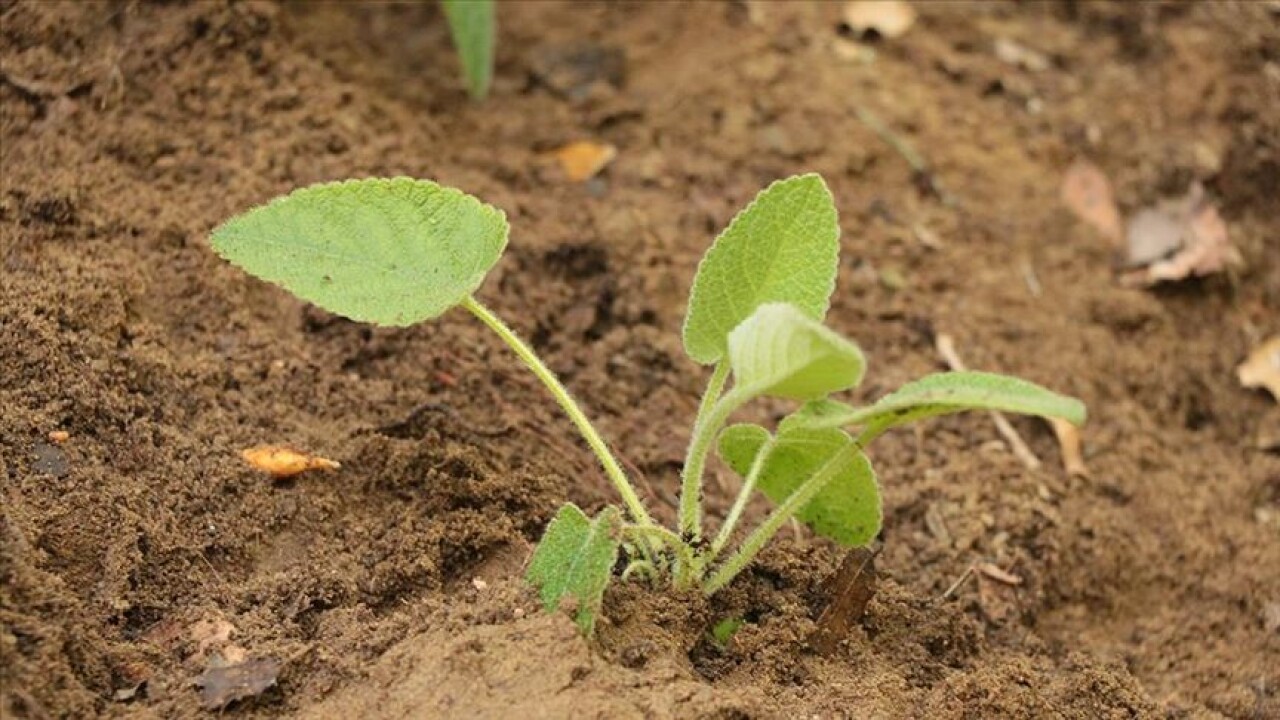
(780, 351)
(723, 631)
(847, 510)
(471, 23)
(784, 247)
(575, 560)
(951, 392)
(813, 412)
(385, 251)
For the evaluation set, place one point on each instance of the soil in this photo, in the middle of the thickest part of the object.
(142, 549)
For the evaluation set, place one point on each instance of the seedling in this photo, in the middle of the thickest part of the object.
(397, 252)
(471, 23)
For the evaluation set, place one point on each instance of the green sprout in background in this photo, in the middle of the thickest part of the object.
(399, 251)
(471, 23)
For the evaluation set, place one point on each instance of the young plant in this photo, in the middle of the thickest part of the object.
(471, 23)
(399, 251)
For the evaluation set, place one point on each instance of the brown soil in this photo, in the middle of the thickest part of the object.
(128, 130)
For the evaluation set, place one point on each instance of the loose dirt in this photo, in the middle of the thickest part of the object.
(141, 548)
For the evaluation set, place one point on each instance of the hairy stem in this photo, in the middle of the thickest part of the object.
(780, 515)
(662, 536)
(711, 417)
(739, 504)
(562, 396)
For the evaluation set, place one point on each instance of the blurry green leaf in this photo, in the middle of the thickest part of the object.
(471, 22)
(723, 631)
(951, 392)
(847, 510)
(575, 560)
(780, 351)
(783, 247)
(385, 251)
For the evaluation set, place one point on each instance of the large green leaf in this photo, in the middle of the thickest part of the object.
(575, 560)
(847, 510)
(951, 392)
(783, 352)
(783, 247)
(471, 22)
(385, 251)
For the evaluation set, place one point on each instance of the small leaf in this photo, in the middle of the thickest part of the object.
(951, 392)
(847, 510)
(575, 560)
(389, 252)
(738, 445)
(780, 351)
(471, 24)
(814, 411)
(783, 247)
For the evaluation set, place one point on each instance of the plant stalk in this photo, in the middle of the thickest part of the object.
(712, 414)
(780, 515)
(570, 406)
(740, 503)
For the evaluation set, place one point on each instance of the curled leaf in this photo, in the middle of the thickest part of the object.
(285, 462)
(1177, 240)
(782, 352)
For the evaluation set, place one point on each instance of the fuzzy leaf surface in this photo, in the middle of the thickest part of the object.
(847, 510)
(386, 251)
(574, 560)
(783, 247)
(783, 352)
(471, 23)
(951, 392)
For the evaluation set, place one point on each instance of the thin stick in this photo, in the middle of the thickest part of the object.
(908, 153)
(947, 349)
(956, 585)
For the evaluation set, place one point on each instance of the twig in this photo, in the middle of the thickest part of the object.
(947, 349)
(917, 162)
(956, 585)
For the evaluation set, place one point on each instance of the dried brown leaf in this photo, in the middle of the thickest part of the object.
(224, 684)
(888, 18)
(849, 591)
(1262, 368)
(284, 462)
(1087, 193)
(1201, 248)
(995, 573)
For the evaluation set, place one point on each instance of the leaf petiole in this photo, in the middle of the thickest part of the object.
(740, 503)
(780, 515)
(570, 406)
(705, 429)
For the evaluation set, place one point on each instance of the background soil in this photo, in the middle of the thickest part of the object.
(129, 552)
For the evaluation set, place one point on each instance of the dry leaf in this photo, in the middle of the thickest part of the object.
(285, 462)
(1020, 56)
(583, 159)
(888, 18)
(1179, 239)
(1087, 193)
(849, 591)
(222, 685)
(1069, 444)
(1262, 368)
(995, 573)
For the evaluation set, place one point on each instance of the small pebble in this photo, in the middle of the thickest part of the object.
(479, 584)
(59, 436)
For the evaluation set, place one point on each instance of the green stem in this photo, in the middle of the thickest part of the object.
(663, 536)
(562, 396)
(739, 504)
(780, 515)
(712, 415)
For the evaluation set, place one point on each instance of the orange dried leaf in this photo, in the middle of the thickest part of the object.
(1087, 193)
(284, 462)
(583, 160)
(1262, 368)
